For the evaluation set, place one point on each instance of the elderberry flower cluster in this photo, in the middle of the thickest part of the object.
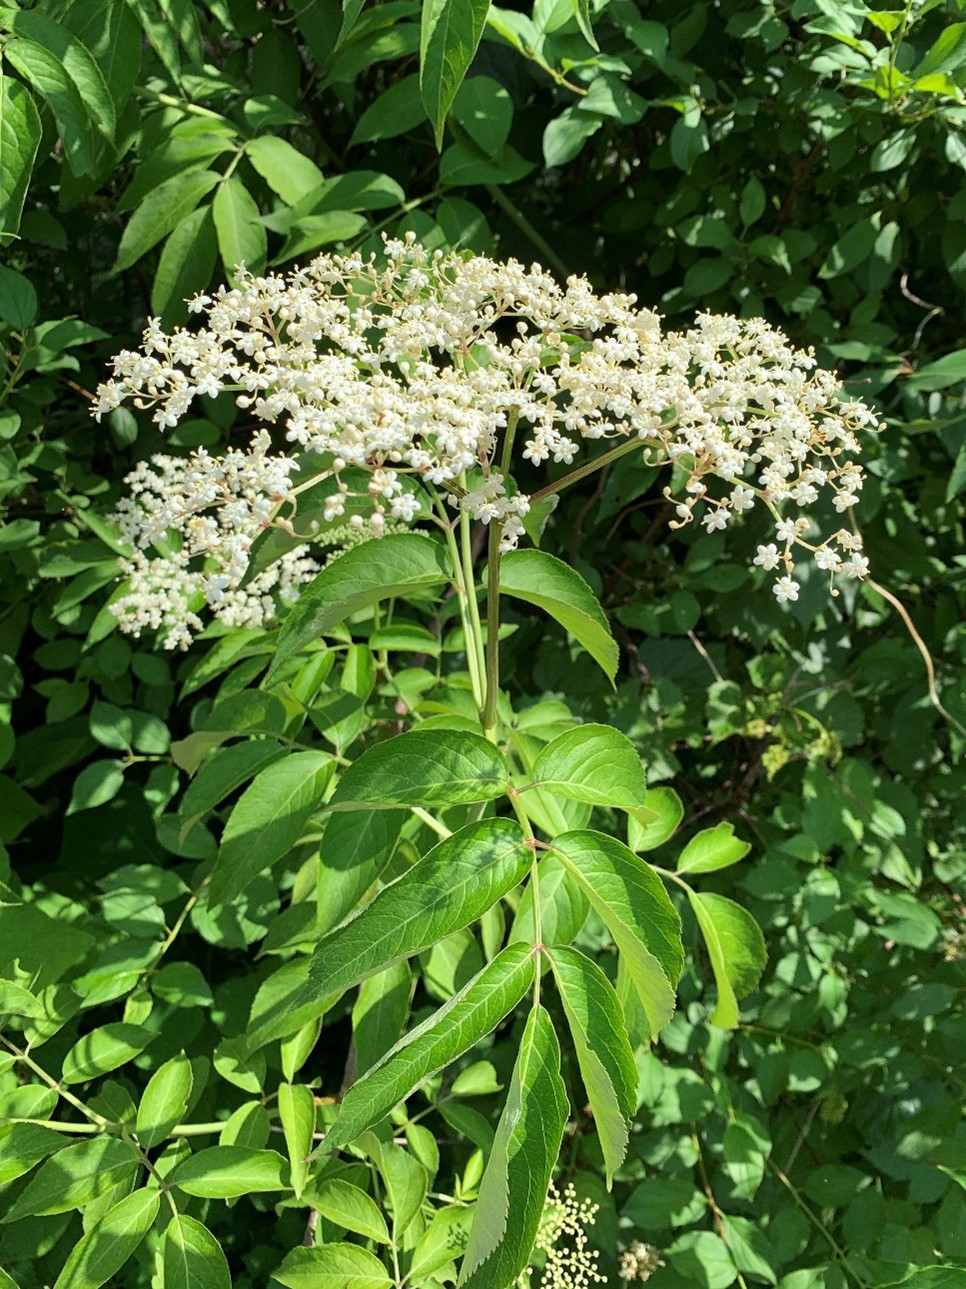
(638, 1262)
(191, 524)
(438, 374)
(562, 1238)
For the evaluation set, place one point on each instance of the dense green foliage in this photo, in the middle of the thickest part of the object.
(165, 887)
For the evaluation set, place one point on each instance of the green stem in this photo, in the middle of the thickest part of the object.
(472, 657)
(476, 626)
(534, 887)
(492, 665)
(42, 1074)
(583, 471)
(168, 100)
(532, 234)
(817, 1222)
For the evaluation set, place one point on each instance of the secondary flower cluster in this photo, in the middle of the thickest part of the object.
(569, 1261)
(427, 369)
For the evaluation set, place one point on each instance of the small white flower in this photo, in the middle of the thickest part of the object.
(857, 566)
(785, 589)
(715, 519)
(787, 530)
(741, 499)
(767, 557)
(827, 560)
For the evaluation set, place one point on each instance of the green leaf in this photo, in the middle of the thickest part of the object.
(186, 264)
(349, 1206)
(24, 1144)
(736, 948)
(378, 570)
(396, 111)
(285, 170)
(635, 908)
(224, 1172)
(192, 1257)
(220, 774)
(658, 820)
(96, 784)
(592, 763)
(517, 1175)
(946, 54)
(332, 1266)
(450, 33)
(75, 1176)
(164, 1101)
(17, 1001)
(712, 848)
(296, 1109)
(103, 1049)
(452, 886)
(20, 132)
(484, 109)
(76, 61)
(268, 820)
(44, 72)
(458, 1025)
(599, 1031)
(549, 584)
(355, 849)
(380, 1013)
(241, 237)
(406, 1180)
(18, 299)
(105, 1248)
(941, 374)
(160, 212)
(851, 249)
(432, 768)
(566, 134)
(582, 12)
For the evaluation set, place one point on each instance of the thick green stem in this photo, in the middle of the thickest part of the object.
(474, 640)
(463, 598)
(492, 632)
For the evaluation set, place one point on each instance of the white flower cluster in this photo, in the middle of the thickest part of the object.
(562, 1238)
(421, 367)
(638, 1262)
(191, 523)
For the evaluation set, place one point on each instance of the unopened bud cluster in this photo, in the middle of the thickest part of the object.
(569, 1261)
(435, 371)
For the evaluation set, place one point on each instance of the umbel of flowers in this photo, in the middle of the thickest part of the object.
(433, 374)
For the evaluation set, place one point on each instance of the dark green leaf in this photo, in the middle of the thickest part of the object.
(186, 264)
(449, 36)
(432, 768)
(268, 820)
(332, 1266)
(223, 1172)
(378, 570)
(24, 1144)
(160, 212)
(448, 889)
(74, 1176)
(457, 1026)
(551, 585)
(44, 71)
(592, 763)
(192, 1257)
(20, 132)
(349, 1206)
(104, 1249)
(164, 1100)
(241, 237)
(103, 1049)
(604, 1054)
(633, 904)
(517, 1176)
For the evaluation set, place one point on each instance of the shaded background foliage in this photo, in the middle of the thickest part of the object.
(803, 161)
